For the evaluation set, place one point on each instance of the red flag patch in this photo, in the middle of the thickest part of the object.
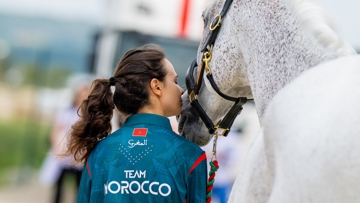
(140, 132)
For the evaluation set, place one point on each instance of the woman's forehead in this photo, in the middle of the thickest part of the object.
(169, 67)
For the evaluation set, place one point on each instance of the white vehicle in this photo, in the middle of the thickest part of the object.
(112, 46)
(175, 25)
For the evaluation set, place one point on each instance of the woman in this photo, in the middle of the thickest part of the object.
(59, 136)
(143, 161)
(56, 169)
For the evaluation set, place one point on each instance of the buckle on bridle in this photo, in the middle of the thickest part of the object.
(192, 96)
(217, 23)
(207, 56)
(220, 131)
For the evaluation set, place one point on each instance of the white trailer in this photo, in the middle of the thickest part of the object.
(176, 25)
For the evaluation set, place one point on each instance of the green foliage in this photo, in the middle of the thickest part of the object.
(4, 63)
(40, 77)
(22, 144)
(34, 75)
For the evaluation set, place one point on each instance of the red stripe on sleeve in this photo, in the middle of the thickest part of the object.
(88, 169)
(200, 159)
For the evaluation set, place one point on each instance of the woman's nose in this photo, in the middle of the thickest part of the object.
(182, 91)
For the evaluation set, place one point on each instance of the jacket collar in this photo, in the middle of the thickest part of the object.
(148, 119)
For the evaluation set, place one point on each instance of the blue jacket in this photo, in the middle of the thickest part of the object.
(144, 161)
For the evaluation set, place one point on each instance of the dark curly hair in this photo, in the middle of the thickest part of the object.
(131, 80)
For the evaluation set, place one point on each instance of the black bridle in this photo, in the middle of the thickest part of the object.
(193, 86)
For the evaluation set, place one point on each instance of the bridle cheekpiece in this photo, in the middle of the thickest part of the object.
(194, 86)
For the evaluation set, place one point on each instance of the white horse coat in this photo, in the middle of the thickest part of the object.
(286, 55)
(308, 150)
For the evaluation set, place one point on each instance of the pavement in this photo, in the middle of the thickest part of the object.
(30, 190)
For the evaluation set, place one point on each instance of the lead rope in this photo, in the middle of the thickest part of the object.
(214, 166)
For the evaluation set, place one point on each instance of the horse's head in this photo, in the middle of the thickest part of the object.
(263, 43)
(227, 69)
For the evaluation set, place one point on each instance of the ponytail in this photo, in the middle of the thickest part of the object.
(131, 78)
(95, 120)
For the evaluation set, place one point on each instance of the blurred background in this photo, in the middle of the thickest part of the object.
(47, 47)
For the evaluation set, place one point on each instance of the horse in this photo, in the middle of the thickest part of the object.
(287, 56)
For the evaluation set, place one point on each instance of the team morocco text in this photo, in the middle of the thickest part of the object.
(134, 187)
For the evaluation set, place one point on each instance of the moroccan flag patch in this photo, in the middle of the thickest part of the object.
(140, 132)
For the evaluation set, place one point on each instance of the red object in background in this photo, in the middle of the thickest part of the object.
(183, 18)
(140, 132)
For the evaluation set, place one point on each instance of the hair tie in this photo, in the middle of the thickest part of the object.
(112, 81)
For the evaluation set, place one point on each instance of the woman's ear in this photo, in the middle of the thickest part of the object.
(155, 87)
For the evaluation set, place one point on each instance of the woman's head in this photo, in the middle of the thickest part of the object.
(144, 81)
(133, 75)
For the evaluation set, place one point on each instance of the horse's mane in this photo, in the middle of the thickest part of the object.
(318, 22)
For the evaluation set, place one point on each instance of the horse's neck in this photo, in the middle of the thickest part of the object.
(275, 48)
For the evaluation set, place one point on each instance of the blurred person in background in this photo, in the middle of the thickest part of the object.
(56, 168)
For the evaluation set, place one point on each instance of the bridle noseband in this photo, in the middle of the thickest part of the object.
(193, 86)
